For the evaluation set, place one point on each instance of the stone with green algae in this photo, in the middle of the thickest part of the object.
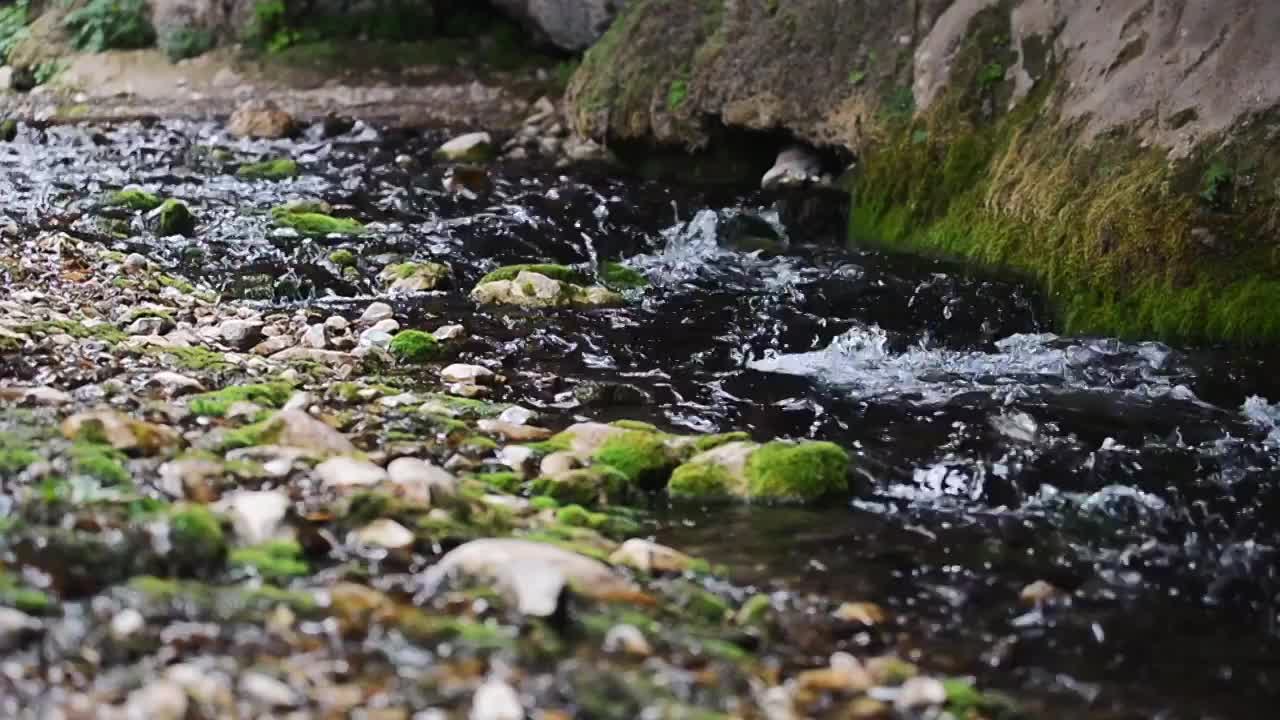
(414, 346)
(276, 169)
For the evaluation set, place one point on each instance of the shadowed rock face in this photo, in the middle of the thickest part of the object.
(828, 71)
(567, 24)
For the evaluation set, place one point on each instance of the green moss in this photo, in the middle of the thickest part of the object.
(8, 126)
(101, 462)
(197, 537)
(15, 454)
(711, 442)
(620, 277)
(192, 358)
(593, 487)
(102, 331)
(754, 611)
(29, 600)
(643, 457)
(456, 407)
(635, 425)
(575, 515)
(175, 219)
(260, 433)
(216, 403)
(414, 346)
(316, 224)
(343, 258)
(556, 272)
(274, 561)
(699, 481)
(797, 471)
(542, 502)
(507, 482)
(134, 199)
(677, 92)
(478, 445)
(277, 169)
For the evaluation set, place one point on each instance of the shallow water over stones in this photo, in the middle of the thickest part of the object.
(1138, 479)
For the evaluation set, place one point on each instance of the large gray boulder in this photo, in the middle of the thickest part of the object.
(567, 24)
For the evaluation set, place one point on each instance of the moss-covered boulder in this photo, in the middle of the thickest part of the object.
(308, 221)
(414, 346)
(536, 290)
(134, 198)
(277, 169)
(175, 218)
(412, 277)
(216, 403)
(776, 472)
(589, 487)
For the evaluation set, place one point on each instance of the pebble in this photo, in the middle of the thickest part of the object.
(175, 384)
(145, 326)
(473, 374)
(157, 700)
(267, 690)
(135, 263)
(425, 481)
(1038, 592)
(349, 472)
(241, 334)
(384, 533)
(449, 332)
(559, 462)
(861, 612)
(126, 623)
(513, 432)
(496, 700)
(336, 323)
(375, 312)
(16, 625)
(375, 338)
(315, 337)
(516, 415)
(650, 557)
(300, 430)
(256, 515)
(920, 692)
(627, 639)
(515, 456)
(46, 396)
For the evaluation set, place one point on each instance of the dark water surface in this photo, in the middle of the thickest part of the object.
(1140, 478)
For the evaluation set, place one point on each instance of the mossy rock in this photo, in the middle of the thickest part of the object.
(563, 273)
(277, 169)
(616, 276)
(218, 402)
(134, 199)
(100, 462)
(644, 458)
(314, 223)
(8, 130)
(596, 486)
(276, 561)
(198, 541)
(779, 471)
(13, 593)
(343, 258)
(175, 218)
(414, 346)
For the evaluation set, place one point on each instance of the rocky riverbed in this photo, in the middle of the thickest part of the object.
(370, 423)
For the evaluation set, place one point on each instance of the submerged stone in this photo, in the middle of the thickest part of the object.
(413, 277)
(173, 217)
(278, 169)
(316, 224)
(531, 289)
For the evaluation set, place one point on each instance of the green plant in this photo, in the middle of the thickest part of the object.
(1213, 186)
(13, 27)
(857, 76)
(187, 43)
(111, 24)
(677, 93)
(47, 71)
(991, 75)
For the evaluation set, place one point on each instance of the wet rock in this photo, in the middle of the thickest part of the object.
(496, 700)
(861, 612)
(267, 691)
(145, 326)
(272, 345)
(627, 639)
(135, 263)
(512, 432)
(120, 432)
(469, 374)
(515, 456)
(413, 277)
(750, 233)
(422, 480)
(597, 394)
(558, 463)
(328, 358)
(126, 624)
(920, 692)
(261, 119)
(157, 700)
(474, 147)
(650, 557)
(173, 217)
(376, 312)
(776, 472)
(843, 675)
(16, 627)
(534, 573)
(531, 289)
(795, 165)
(37, 396)
(568, 24)
(241, 334)
(297, 429)
(256, 515)
(175, 384)
(449, 332)
(384, 533)
(347, 472)
(468, 181)
(1039, 592)
(315, 337)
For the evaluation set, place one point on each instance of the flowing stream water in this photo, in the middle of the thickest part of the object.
(990, 453)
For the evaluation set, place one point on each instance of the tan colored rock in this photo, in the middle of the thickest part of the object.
(261, 119)
(120, 432)
(512, 432)
(650, 557)
(1039, 592)
(297, 429)
(861, 612)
